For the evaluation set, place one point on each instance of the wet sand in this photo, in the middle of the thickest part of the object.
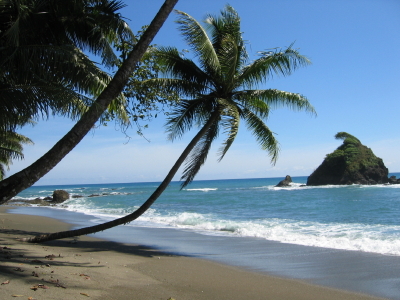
(100, 269)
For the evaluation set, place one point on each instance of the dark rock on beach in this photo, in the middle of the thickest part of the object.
(39, 201)
(394, 180)
(94, 195)
(286, 182)
(59, 196)
(28, 202)
(350, 163)
(77, 196)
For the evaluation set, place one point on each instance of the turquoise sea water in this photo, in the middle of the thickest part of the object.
(357, 217)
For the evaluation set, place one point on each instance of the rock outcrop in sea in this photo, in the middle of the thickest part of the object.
(350, 163)
(285, 182)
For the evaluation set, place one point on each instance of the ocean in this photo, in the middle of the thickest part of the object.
(253, 224)
(356, 217)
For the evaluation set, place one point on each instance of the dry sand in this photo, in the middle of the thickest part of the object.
(89, 267)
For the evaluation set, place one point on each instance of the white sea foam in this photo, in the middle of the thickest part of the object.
(239, 221)
(202, 189)
(381, 239)
(368, 238)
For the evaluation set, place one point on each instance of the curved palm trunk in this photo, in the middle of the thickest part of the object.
(28, 176)
(142, 209)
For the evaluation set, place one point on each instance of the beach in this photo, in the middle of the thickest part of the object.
(100, 269)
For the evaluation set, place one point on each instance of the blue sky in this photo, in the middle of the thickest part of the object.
(353, 83)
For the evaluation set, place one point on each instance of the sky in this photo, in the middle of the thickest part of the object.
(353, 83)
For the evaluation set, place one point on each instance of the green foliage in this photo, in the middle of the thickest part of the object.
(353, 153)
(347, 138)
(10, 149)
(144, 102)
(43, 69)
(335, 155)
(217, 86)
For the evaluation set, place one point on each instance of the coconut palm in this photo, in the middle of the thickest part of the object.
(43, 68)
(25, 178)
(217, 96)
(10, 149)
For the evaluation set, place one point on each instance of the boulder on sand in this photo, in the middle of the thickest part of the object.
(59, 196)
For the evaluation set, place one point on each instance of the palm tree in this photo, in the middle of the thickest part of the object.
(216, 97)
(10, 149)
(14, 184)
(42, 67)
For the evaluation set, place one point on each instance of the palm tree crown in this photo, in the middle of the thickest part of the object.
(222, 83)
(43, 69)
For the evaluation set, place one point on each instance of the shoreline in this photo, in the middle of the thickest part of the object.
(112, 270)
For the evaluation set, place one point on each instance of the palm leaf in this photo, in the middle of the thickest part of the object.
(278, 62)
(263, 134)
(178, 67)
(230, 122)
(264, 100)
(196, 37)
(198, 155)
(185, 114)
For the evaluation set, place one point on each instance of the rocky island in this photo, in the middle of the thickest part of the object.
(350, 163)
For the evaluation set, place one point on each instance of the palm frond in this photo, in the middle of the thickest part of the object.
(186, 114)
(227, 23)
(184, 88)
(277, 99)
(264, 136)
(178, 67)
(197, 38)
(11, 149)
(230, 122)
(277, 62)
(198, 155)
(230, 62)
(251, 100)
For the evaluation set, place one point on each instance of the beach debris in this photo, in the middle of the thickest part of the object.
(60, 285)
(51, 256)
(36, 261)
(57, 283)
(31, 298)
(84, 275)
(35, 274)
(19, 269)
(18, 296)
(39, 286)
(5, 282)
(85, 294)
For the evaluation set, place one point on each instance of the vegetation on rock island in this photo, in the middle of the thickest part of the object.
(350, 163)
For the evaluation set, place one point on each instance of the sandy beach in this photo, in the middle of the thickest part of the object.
(98, 269)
